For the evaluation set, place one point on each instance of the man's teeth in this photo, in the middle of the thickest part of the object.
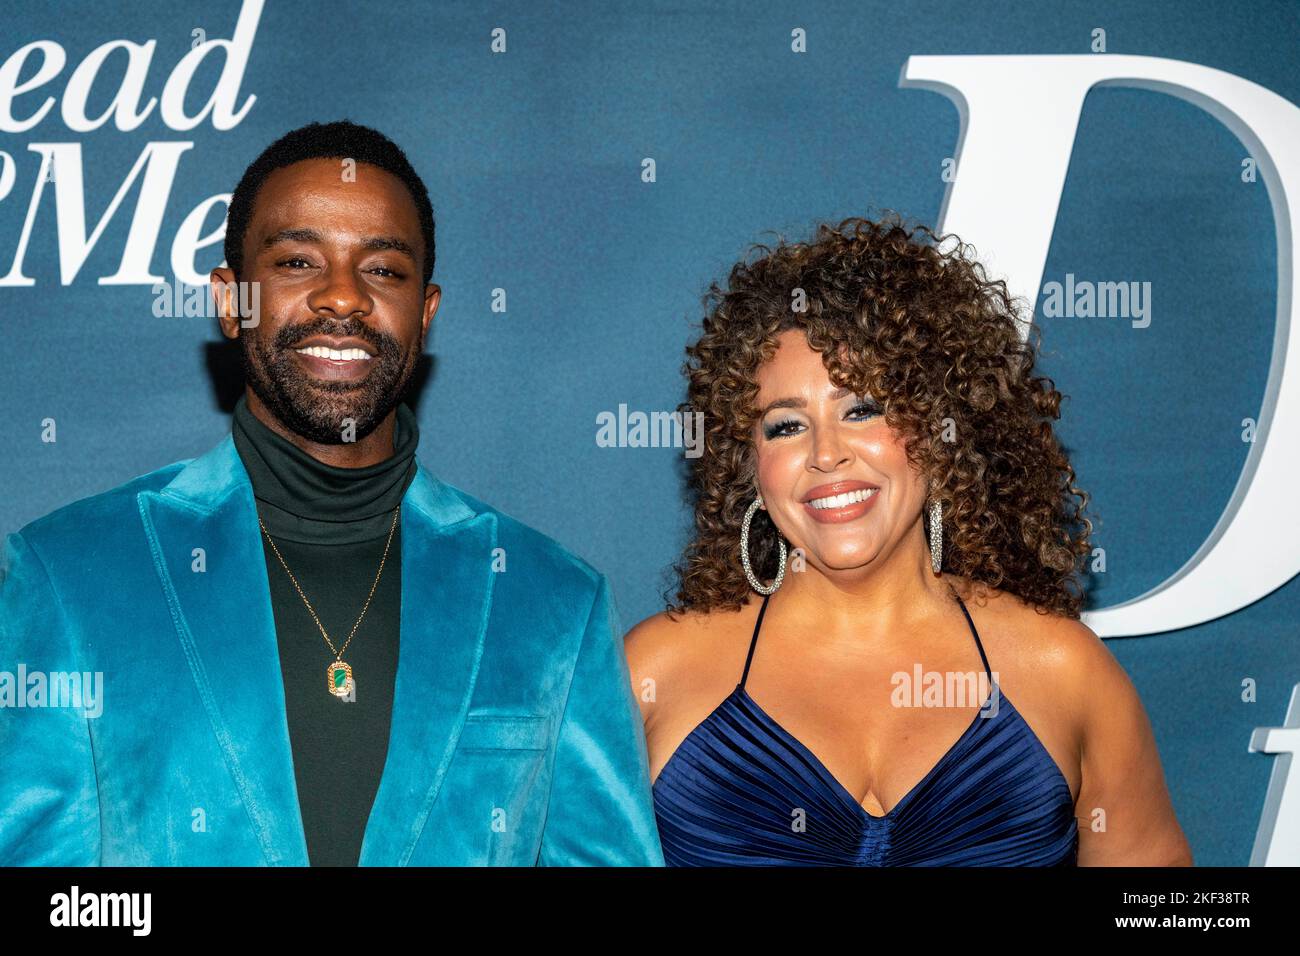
(844, 500)
(338, 355)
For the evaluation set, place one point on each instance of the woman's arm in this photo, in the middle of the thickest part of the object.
(1124, 811)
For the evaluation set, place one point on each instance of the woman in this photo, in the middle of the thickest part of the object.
(884, 521)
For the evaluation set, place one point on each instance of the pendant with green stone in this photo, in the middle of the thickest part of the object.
(339, 676)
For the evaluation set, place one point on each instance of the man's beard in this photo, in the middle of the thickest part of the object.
(314, 408)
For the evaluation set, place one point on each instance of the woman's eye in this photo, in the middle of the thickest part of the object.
(777, 429)
(865, 410)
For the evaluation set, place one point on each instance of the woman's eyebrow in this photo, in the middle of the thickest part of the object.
(835, 396)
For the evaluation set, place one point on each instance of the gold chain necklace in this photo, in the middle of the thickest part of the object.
(339, 674)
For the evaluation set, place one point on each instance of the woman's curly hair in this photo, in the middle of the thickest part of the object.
(927, 334)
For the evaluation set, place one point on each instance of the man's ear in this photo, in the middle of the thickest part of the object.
(226, 297)
(432, 297)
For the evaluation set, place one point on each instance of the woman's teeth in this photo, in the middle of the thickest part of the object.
(844, 500)
(338, 355)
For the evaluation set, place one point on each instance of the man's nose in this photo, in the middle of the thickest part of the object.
(341, 294)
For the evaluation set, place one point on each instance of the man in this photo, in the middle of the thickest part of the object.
(312, 650)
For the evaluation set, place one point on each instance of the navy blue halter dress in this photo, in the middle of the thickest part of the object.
(730, 795)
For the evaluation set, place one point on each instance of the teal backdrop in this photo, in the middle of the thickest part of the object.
(534, 161)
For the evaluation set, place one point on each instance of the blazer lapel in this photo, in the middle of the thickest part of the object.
(224, 621)
(447, 583)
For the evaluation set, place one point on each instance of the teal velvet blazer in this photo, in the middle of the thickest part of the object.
(515, 740)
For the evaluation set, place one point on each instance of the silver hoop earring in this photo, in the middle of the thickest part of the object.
(936, 536)
(744, 553)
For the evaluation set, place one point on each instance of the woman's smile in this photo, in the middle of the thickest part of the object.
(840, 501)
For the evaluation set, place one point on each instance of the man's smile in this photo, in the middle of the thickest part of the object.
(336, 360)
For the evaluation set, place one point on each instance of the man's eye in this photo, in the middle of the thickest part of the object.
(388, 272)
(292, 259)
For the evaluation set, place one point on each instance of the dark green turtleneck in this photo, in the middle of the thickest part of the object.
(330, 525)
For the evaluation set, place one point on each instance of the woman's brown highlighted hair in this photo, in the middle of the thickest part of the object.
(910, 318)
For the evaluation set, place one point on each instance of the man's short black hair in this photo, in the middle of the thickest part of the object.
(343, 140)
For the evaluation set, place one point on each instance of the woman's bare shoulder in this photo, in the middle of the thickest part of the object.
(681, 654)
(671, 638)
(1064, 655)
(1048, 631)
